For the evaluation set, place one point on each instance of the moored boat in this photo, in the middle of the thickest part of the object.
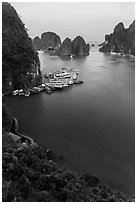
(21, 94)
(58, 86)
(78, 82)
(38, 88)
(70, 82)
(14, 93)
(27, 93)
(33, 91)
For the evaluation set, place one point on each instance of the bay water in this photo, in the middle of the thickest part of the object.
(92, 124)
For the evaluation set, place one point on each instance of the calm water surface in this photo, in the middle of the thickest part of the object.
(92, 124)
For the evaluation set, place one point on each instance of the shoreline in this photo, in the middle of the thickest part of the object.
(131, 57)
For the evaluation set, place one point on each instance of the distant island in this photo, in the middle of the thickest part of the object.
(50, 42)
(122, 40)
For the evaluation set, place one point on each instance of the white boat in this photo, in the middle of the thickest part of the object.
(61, 74)
(22, 93)
(74, 76)
(67, 76)
(65, 85)
(27, 93)
(70, 82)
(14, 93)
(38, 89)
(43, 85)
(71, 56)
(58, 86)
(55, 85)
(113, 53)
(21, 90)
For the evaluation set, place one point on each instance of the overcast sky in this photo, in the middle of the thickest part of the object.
(89, 19)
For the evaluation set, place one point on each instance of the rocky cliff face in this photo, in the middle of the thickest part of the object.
(65, 49)
(20, 63)
(51, 42)
(79, 47)
(121, 40)
(131, 37)
(76, 48)
(48, 41)
(37, 43)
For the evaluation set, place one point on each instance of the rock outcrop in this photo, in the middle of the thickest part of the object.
(20, 62)
(122, 40)
(79, 47)
(74, 48)
(37, 43)
(49, 41)
(65, 50)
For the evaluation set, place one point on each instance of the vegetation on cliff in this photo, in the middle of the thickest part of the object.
(122, 40)
(51, 42)
(29, 175)
(79, 47)
(37, 43)
(6, 119)
(48, 40)
(65, 49)
(20, 63)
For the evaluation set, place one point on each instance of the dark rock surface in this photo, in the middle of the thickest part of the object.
(79, 47)
(49, 41)
(122, 40)
(75, 48)
(37, 43)
(65, 49)
(20, 62)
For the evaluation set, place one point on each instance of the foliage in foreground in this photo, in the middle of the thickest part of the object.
(29, 175)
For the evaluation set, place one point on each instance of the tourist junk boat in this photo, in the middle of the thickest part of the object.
(55, 85)
(78, 82)
(62, 82)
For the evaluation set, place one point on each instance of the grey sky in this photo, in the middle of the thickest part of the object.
(68, 19)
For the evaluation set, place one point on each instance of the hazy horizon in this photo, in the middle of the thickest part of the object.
(91, 20)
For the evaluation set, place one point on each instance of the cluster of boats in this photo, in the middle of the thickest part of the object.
(57, 80)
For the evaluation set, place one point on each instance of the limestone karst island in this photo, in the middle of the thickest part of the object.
(67, 108)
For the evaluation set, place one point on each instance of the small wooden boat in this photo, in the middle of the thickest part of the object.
(27, 93)
(34, 91)
(58, 86)
(78, 82)
(21, 94)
